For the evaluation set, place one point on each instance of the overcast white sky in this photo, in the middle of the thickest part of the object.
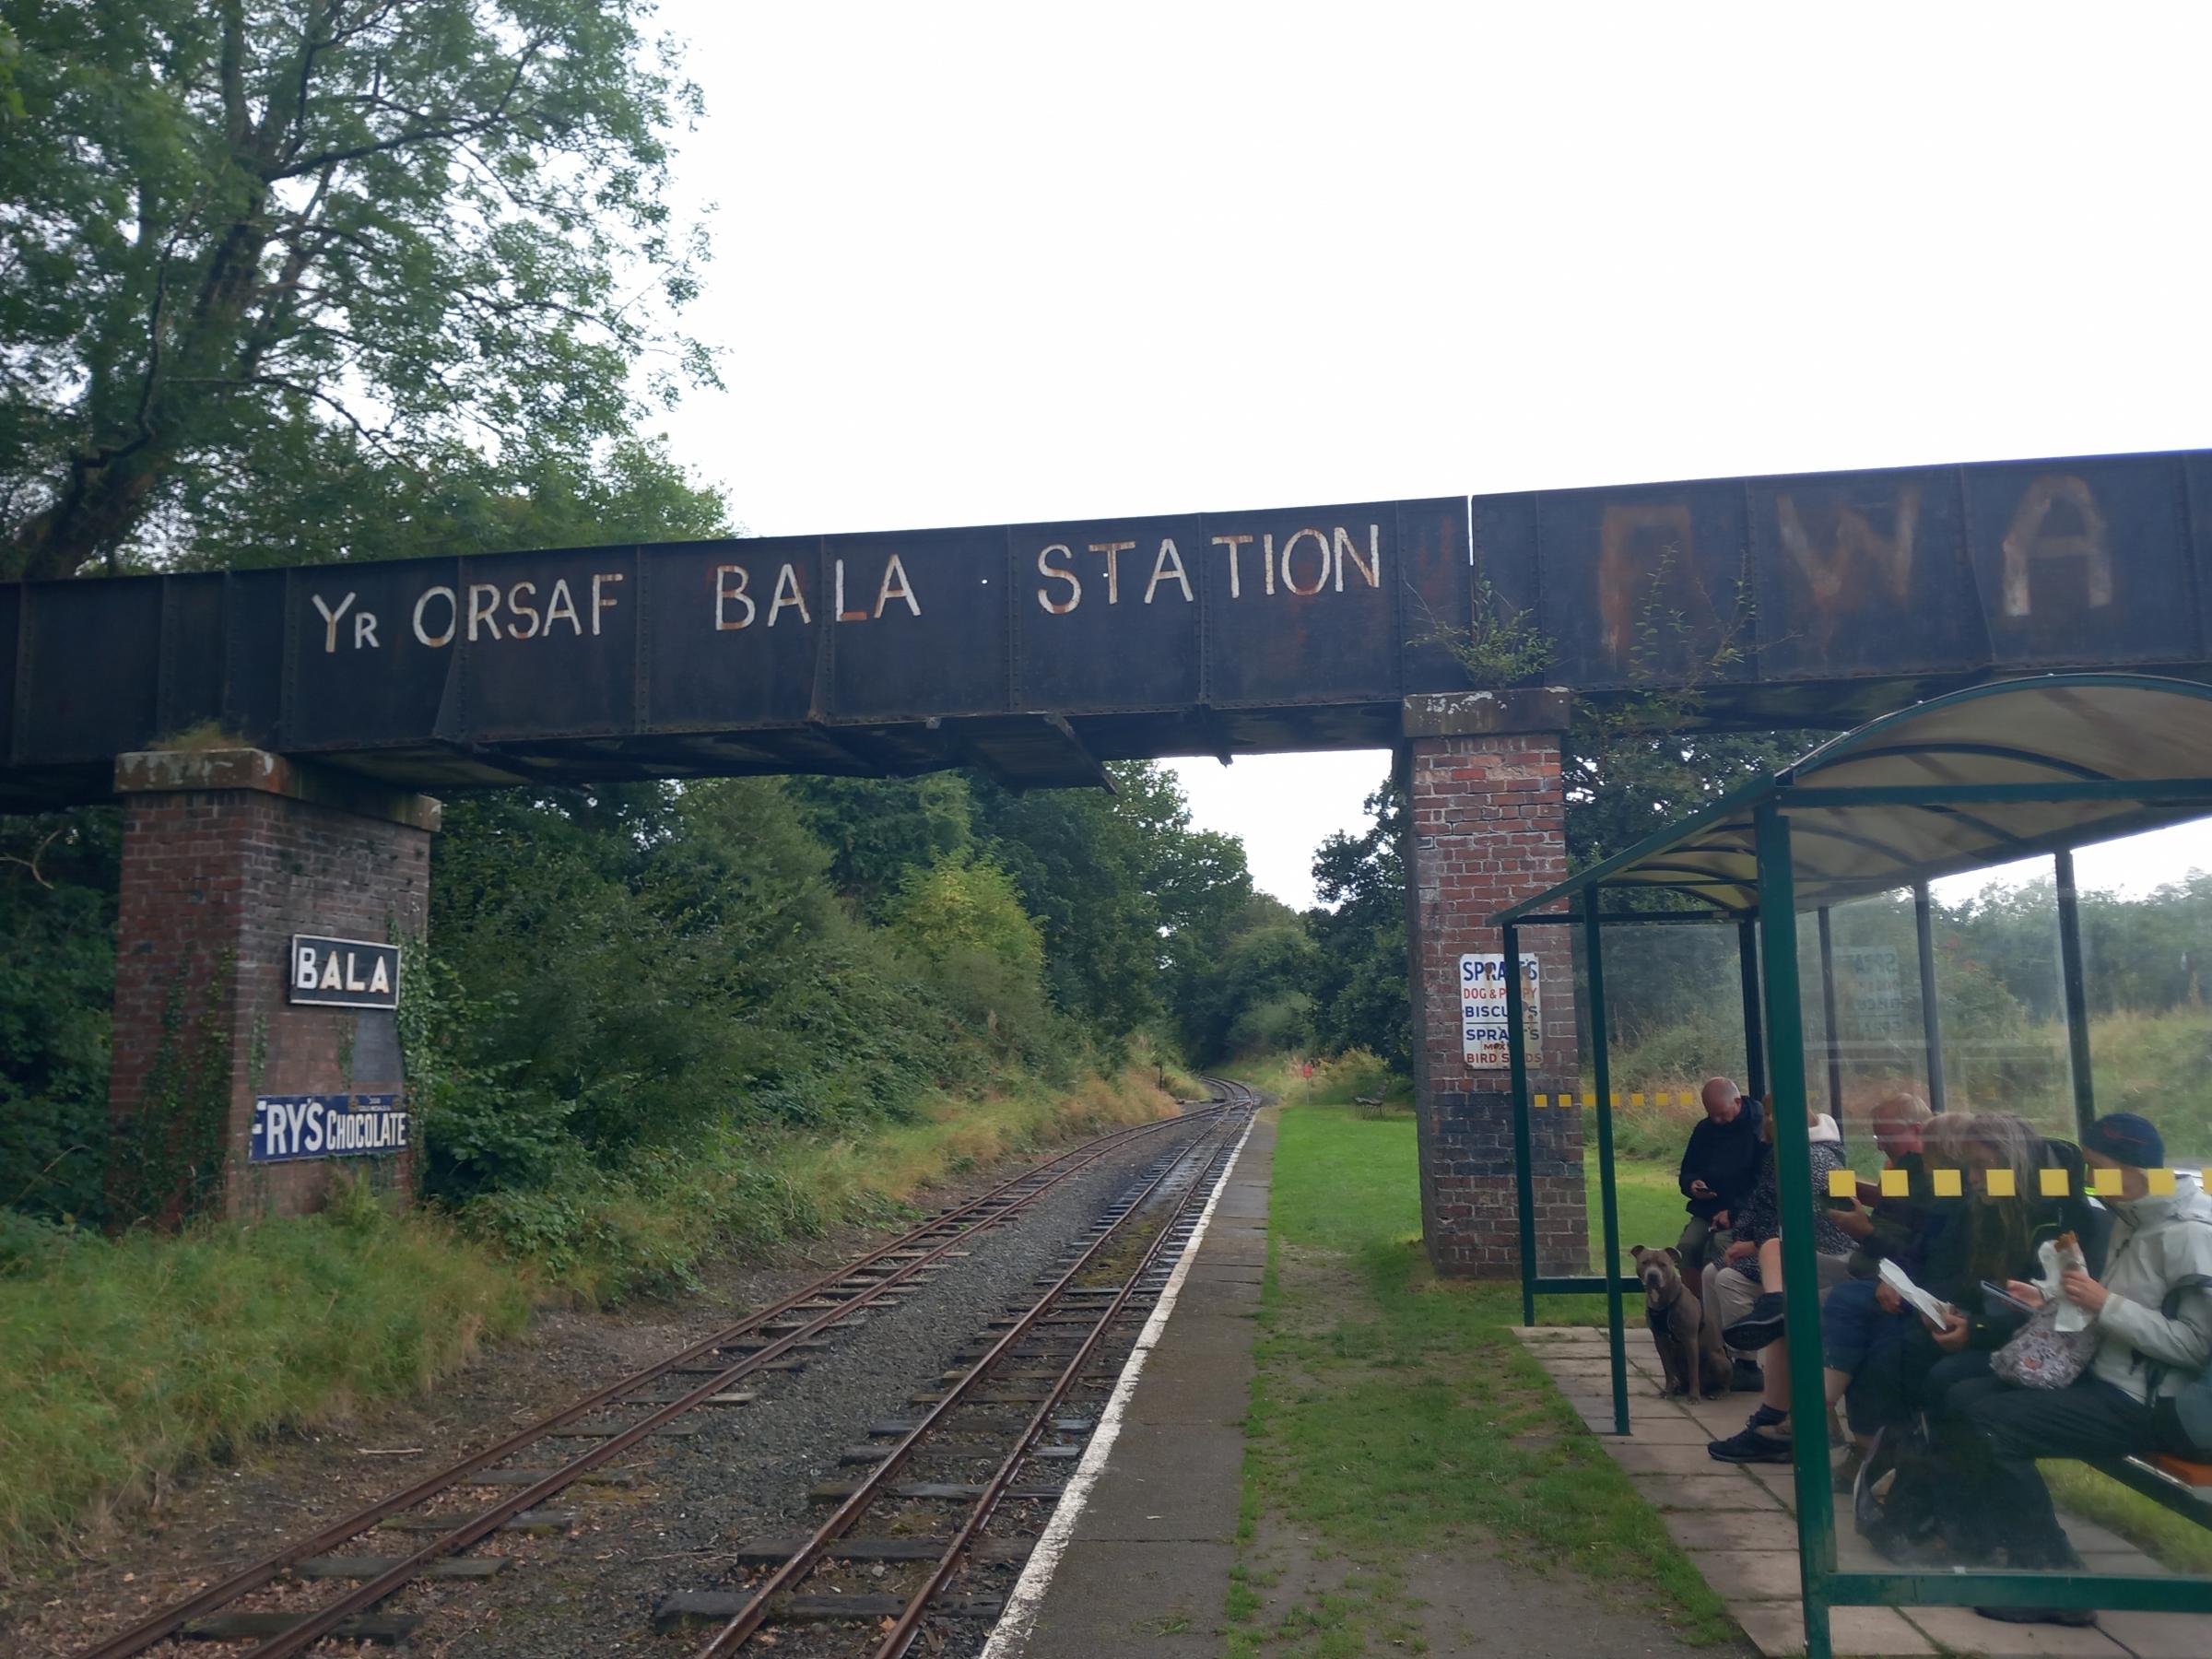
(978, 264)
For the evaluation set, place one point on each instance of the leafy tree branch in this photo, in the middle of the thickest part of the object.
(237, 240)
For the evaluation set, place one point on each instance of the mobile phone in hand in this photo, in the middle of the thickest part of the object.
(1995, 1295)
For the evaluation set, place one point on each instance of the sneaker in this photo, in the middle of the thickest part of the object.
(1762, 1325)
(2079, 1617)
(1751, 1446)
(1745, 1377)
(1846, 1471)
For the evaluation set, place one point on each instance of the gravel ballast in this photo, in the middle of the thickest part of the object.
(669, 1521)
(746, 1474)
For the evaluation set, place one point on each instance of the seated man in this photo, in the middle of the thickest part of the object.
(1720, 1166)
(2152, 1312)
(1899, 1224)
(1746, 1293)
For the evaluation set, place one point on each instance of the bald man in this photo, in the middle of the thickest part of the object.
(1720, 1166)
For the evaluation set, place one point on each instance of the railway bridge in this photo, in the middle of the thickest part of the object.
(272, 734)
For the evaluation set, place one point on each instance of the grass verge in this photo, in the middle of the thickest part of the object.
(125, 1361)
(1394, 1412)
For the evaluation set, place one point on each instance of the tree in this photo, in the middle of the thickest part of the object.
(1359, 993)
(1249, 993)
(1121, 884)
(880, 830)
(57, 978)
(1624, 780)
(379, 256)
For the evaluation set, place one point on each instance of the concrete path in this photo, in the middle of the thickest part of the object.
(1735, 1522)
(1145, 1568)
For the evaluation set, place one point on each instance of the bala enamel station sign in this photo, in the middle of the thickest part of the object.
(343, 974)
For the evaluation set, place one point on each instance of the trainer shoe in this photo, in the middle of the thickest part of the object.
(2079, 1617)
(1762, 1325)
(1745, 1377)
(1751, 1446)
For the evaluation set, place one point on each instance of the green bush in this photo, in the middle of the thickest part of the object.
(57, 980)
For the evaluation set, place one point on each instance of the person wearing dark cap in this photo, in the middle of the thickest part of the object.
(2154, 1329)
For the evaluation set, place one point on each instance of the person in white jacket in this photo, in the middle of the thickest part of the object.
(2152, 1335)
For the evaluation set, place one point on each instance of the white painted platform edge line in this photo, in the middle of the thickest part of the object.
(1028, 1595)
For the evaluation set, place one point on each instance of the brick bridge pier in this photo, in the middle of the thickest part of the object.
(1487, 828)
(226, 854)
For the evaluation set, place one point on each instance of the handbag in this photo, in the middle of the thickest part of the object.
(2040, 1355)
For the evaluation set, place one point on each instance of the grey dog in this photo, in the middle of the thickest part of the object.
(1689, 1343)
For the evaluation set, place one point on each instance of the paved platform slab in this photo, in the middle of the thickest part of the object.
(1736, 1523)
(1146, 1568)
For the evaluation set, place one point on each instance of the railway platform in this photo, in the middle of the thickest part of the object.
(1141, 1563)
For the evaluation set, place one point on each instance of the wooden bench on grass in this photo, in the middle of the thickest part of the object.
(1368, 1106)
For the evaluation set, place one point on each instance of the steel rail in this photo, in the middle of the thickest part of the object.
(903, 1633)
(158, 1626)
(325, 1620)
(749, 1618)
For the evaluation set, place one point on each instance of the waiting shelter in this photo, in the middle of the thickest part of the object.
(1971, 779)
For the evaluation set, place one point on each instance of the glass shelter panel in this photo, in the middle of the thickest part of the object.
(1674, 1019)
(2000, 993)
(1867, 974)
(2145, 922)
(1959, 1464)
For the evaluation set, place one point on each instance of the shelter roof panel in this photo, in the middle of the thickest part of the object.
(1977, 777)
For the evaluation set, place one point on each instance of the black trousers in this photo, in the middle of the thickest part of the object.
(2091, 1419)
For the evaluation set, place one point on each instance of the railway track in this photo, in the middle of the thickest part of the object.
(608, 1421)
(992, 1445)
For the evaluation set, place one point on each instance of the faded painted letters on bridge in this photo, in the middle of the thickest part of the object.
(1785, 597)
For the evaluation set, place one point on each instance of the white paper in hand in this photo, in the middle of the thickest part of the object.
(2055, 1262)
(1912, 1296)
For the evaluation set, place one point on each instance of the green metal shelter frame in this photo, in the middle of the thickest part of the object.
(1980, 777)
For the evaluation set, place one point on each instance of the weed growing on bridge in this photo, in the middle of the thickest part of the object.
(1500, 646)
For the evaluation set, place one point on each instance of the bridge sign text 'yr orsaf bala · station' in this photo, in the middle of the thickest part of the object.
(1035, 651)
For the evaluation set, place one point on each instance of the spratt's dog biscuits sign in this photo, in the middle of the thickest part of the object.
(1482, 1011)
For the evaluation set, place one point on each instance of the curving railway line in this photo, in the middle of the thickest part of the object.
(949, 1494)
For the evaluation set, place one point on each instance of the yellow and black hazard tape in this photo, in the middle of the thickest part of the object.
(1998, 1184)
(1635, 1097)
(1895, 1183)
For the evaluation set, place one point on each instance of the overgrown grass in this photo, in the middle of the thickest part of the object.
(2175, 1541)
(597, 1236)
(1394, 1412)
(2157, 1064)
(124, 1362)
(1338, 1081)
(1648, 1201)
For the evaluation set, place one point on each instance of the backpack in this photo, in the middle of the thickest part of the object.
(2182, 1422)
(1914, 1501)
